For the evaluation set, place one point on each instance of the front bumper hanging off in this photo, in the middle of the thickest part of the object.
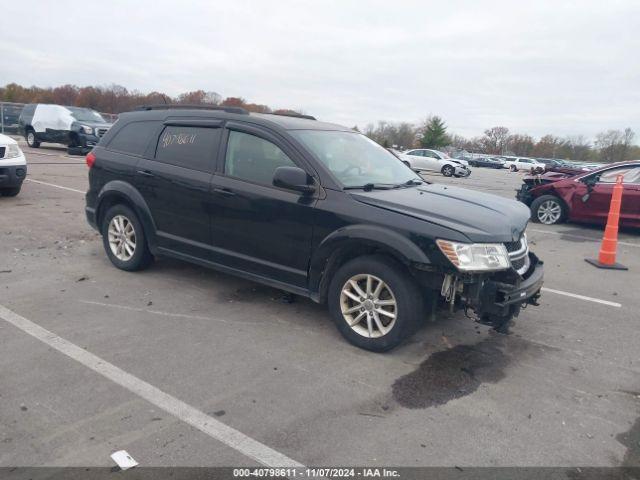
(503, 297)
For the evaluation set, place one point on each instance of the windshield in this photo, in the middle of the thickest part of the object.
(441, 154)
(354, 159)
(86, 115)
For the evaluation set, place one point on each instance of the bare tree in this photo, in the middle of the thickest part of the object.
(495, 140)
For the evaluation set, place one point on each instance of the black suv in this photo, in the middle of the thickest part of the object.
(311, 208)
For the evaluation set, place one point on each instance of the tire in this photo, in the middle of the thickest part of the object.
(399, 287)
(31, 139)
(513, 168)
(406, 163)
(10, 192)
(549, 210)
(447, 171)
(140, 257)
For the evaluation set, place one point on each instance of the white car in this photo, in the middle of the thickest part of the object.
(13, 167)
(519, 163)
(423, 159)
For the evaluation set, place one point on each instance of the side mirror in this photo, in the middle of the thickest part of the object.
(294, 178)
(590, 182)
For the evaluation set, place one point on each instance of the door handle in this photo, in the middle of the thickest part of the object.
(145, 173)
(224, 191)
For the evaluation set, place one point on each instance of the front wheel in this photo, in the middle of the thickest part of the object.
(124, 239)
(549, 210)
(374, 303)
(448, 171)
(32, 141)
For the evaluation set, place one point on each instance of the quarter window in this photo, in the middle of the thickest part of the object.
(253, 159)
(133, 138)
(189, 147)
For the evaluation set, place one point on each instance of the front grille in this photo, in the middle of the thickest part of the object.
(518, 264)
(101, 131)
(514, 246)
(2, 149)
(519, 254)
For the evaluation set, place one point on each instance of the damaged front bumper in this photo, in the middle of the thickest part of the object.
(497, 297)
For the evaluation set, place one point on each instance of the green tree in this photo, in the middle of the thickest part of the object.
(434, 133)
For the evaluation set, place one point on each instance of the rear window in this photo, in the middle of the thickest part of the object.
(189, 147)
(133, 138)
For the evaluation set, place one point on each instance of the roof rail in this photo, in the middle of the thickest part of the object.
(293, 114)
(177, 106)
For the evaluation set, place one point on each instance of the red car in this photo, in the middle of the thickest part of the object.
(585, 197)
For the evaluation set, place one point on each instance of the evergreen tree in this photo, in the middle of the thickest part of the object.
(434, 133)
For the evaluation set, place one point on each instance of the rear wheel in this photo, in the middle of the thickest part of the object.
(513, 168)
(32, 141)
(374, 303)
(10, 192)
(549, 210)
(124, 240)
(448, 171)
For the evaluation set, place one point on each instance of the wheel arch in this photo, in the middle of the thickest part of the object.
(120, 192)
(354, 241)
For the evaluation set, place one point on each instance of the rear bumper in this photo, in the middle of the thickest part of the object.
(12, 176)
(91, 217)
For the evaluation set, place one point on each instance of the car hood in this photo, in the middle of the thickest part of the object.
(5, 140)
(481, 217)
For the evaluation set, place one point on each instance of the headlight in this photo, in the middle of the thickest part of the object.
(12, 151)
(475, 257)
(86, 129)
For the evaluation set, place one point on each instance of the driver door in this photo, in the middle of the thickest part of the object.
(592, 203)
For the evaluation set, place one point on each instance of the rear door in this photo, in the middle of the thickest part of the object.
(175, 179)
(256, 227)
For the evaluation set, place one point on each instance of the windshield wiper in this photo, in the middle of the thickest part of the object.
(413, 181)
(367, 187)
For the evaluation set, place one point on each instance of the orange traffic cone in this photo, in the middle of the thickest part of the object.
(607, 256)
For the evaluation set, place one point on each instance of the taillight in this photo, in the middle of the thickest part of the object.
(91, 159)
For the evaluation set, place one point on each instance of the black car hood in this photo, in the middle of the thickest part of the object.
(481, 217)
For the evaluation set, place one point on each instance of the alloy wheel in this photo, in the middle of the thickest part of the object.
(549, 212)
(122, 238)
(368, 305)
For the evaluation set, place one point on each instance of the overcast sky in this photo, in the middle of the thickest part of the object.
(536, 67)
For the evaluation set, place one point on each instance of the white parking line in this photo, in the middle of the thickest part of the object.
(581, 237)
(53, 185)
(582, 297)
(188, 414)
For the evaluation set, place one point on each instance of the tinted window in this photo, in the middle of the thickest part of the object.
(417, 153)
(133, 138)
(189, 147)
(253, 158)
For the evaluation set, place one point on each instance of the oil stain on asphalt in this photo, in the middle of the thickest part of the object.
(459, 371)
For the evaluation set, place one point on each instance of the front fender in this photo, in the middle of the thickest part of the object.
(367, 236)
(118, 189)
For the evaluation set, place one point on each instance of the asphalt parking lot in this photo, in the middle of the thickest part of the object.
(562, 389)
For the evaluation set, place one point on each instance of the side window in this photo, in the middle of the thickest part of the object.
(427, 153)
(133, 138)
(253, 159)
(416, 153)
(630, 175)
(189, 147)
